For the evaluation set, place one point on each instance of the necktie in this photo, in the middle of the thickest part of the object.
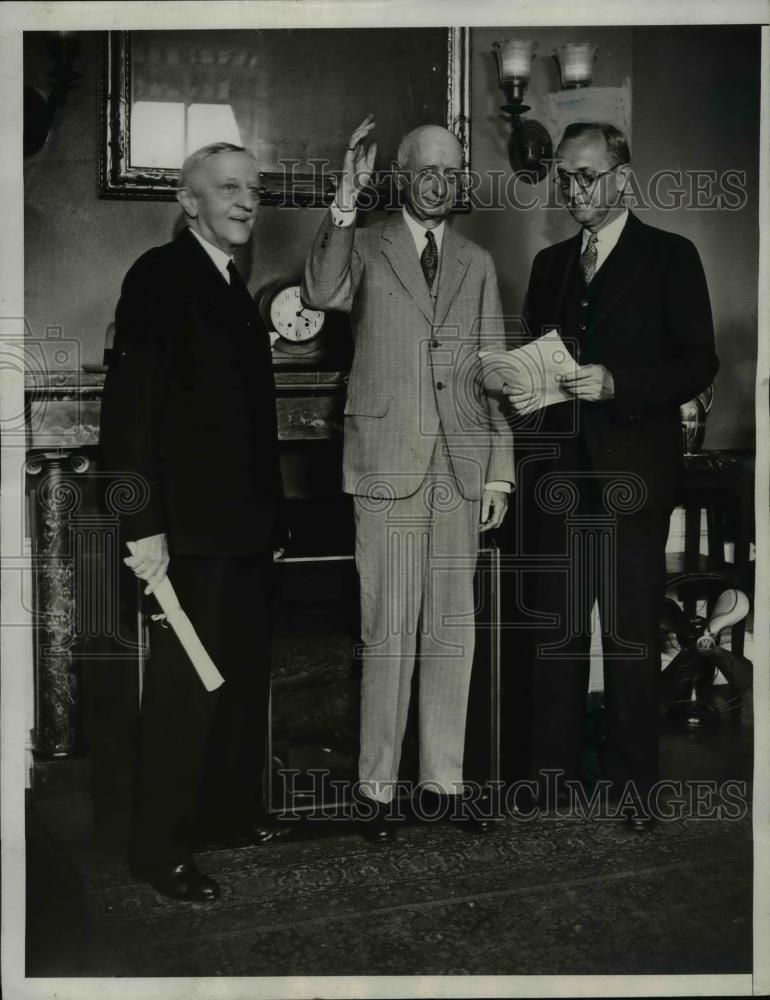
(240, 290)
(253, 326)
(588, 258)
(429, 258)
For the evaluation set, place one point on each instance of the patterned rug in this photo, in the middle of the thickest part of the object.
(553, 896)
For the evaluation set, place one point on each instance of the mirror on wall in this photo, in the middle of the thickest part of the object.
(290, 96)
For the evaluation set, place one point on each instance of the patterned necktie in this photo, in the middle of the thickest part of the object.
(429, 258)
(588, 258)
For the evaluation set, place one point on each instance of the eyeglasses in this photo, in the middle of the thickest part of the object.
(584, 181)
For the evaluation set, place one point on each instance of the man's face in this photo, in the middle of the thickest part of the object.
(590, 183)
(221, 200)
(433, 172)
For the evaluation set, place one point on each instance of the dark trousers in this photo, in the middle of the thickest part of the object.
(201, 754)
(618, 560)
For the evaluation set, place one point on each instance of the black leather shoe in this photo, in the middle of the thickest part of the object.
(267, 831)
(640, 823)
(380, 828)
(431, 807)
(184, 883)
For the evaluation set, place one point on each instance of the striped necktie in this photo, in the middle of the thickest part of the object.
(588, 259)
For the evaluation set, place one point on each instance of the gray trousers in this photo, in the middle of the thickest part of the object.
(416, 559)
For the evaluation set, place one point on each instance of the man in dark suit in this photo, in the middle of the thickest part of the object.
(189, 406)
(633, 304)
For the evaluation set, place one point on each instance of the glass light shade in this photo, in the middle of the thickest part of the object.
(576, 62)
(514, 58)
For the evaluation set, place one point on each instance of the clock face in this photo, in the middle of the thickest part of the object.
(292, 320)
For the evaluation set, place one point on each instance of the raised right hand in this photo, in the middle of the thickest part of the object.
(357, 165)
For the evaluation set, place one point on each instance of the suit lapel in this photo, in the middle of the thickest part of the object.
(203, 274)
(454, 263)
(619, 270)
(565, 269)
(398, 247)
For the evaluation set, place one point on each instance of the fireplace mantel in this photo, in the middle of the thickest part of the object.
(62, 430)
(63, 407)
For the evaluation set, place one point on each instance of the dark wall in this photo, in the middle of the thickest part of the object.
(695, 105)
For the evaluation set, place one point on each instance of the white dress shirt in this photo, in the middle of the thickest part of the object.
(346, 217)
(606, 238)
(420, 233)
(343, 218)
(218, 257)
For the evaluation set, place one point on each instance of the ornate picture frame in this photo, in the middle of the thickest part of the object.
(294, 185)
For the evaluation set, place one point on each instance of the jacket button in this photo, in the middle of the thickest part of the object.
(584, 303)
(439, 385)
(582, 327)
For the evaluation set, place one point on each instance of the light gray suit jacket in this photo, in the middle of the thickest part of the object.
(415, 370)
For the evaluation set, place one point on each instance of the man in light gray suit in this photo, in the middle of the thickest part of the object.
(428, 458)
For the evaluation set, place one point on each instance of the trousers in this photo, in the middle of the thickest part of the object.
(616, 560)
(416, 558)
(201, 754)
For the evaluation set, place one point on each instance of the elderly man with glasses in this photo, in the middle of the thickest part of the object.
(632, 304)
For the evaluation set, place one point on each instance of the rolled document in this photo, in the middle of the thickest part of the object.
(534, 367)
(184, 631)
(183, 627)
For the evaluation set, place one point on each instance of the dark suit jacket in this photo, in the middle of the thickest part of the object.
(650, 325)
(189, 406)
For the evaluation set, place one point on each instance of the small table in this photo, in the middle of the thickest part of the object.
(722, 484)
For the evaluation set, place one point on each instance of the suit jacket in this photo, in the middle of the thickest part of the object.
(415, 370)
(189, 406)
(650, 325)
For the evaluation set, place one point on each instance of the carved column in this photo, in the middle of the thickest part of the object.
(57, 682)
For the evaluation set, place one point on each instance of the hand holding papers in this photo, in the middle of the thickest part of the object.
(184, 631)
(530, 376)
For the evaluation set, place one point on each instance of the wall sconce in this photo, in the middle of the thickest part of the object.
(576, 62)
(530, 142)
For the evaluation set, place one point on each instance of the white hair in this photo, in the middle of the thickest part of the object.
(196, 158)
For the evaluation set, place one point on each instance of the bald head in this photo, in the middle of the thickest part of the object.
(428, 165)
(432, 137)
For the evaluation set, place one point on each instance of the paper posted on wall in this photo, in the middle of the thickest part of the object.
(533, 368)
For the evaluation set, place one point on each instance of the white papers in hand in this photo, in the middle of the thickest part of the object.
(532, 368)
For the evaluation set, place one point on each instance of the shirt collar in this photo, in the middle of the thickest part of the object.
(219, 258)
(608, 235)
(418, 232)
